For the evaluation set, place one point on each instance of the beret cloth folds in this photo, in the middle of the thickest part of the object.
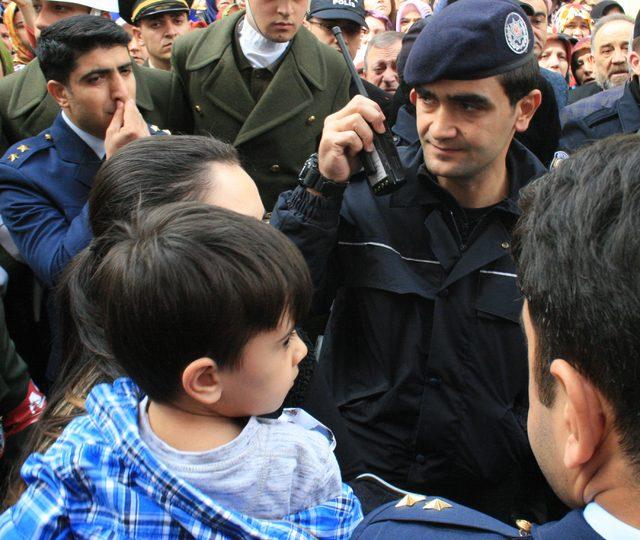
(471, 39)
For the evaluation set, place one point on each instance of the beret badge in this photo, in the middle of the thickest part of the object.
(516, 33)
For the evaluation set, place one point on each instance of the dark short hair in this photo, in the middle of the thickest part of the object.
(518, 82)
(188, 280)
(577, 250)
(179, 171)
(61, 44)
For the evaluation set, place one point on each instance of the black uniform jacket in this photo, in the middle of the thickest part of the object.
(423, 349)
(607, 113)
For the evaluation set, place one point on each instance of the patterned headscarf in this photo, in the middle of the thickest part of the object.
(567, 13)
(23, 51)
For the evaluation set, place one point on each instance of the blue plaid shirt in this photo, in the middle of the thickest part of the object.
(99, 480)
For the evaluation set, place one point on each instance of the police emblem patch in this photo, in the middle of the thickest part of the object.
(516, 33)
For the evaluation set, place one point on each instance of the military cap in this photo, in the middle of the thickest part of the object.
(133, 10)
(471, 39)
(350, 10)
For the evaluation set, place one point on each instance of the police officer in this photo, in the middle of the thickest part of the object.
(613, 111)
(423, 349)
(157, 24)
(26, 108)
(581, 321)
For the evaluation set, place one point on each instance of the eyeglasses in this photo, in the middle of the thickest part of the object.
(347, 27)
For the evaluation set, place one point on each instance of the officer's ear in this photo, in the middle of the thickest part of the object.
(634, 62)
(58, 92)
(583, 415)
(526, 108)
(137, 34)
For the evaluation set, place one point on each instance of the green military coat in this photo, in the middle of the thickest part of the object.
(26, 108)
(275, 135)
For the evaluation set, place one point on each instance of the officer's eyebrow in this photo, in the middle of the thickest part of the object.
(480, 102)
(104, 71)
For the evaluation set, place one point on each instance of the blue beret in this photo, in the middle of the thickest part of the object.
(471, 39)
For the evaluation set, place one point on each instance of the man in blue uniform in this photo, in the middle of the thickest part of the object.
(613, 111)
(45, 180)
(577, 248)
(423, 348)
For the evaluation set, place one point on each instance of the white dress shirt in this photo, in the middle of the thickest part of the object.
(97, 145)
(608, 526)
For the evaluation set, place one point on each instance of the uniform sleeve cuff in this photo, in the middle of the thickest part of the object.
(315, 208)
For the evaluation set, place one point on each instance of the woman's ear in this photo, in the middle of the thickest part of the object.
(201, 381)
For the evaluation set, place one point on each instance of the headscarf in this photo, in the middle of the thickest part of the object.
(23, 51)
(567, 13)
(423, 8)
(5, 59)
(380, 15)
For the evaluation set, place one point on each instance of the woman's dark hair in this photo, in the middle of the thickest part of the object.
(63, 42)
(124, 185)
(577, 250)
(188, 280)
(152, 171)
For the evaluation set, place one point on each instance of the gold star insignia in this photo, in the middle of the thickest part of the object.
(437, 504)
(155, 129)
(409, 500)
(23, 148)
(48, 137)
(523, 525)
(13, 157)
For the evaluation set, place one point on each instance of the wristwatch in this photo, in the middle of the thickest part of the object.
(310, 177)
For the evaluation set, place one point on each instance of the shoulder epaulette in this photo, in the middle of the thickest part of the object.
(20, 152)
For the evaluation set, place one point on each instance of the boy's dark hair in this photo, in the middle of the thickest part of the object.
(180, 172)
(520, 81)
(63, 42)
(188, 280)
(577, 248)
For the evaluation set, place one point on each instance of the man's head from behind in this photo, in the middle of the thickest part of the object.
(577, 249)
(471, 98)
(349, 15)
(380, 60)
(610, 49)
(88, 69)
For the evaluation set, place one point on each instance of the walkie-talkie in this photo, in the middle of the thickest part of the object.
(382, 166)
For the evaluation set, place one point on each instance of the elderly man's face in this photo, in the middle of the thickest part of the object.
(381, 67)
(610, 50)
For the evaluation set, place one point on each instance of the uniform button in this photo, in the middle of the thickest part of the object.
(505, 245)
(275, 168)
(443, 293)
(311, 120)
(198, 108)
(434, 381)
(420, 459)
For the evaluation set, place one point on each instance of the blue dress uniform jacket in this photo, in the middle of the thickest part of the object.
(452, 521)
(423, 349)
(44, 185)
(591, 119)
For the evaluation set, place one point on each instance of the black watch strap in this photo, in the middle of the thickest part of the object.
(310, 177)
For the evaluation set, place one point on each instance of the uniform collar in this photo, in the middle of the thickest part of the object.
(608, 526)
(629, 109)
(212, 43)
(422, 189)
(69, 145)
(96, 144)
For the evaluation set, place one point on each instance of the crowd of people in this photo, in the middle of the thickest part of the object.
(252, 291)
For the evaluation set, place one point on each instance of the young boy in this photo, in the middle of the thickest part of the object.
(199, 306)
